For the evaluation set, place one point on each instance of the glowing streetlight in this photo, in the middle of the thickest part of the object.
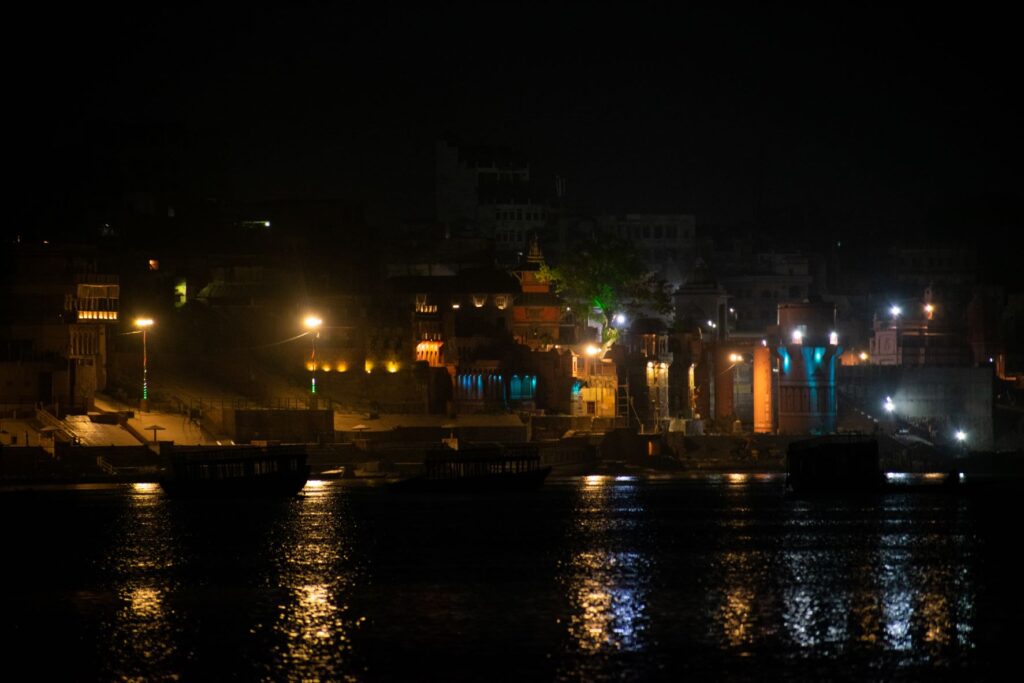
(592, 350)
(896, 311)
(620, 319)
(798, 337)
(312, 324)
(889, 406)
(863, 355)
(961, 435)
(144, 324)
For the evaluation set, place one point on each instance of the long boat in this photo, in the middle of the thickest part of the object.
(478, 467)
(236, 471)
(834, 465)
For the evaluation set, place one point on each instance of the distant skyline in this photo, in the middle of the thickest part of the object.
(863, 118)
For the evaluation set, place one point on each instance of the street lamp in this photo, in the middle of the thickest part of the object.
(312, 324)
(144, 324)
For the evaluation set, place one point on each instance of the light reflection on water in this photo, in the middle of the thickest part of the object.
(592, 578)
(606, 583)
(312, 565)
(879, 579)
(142, 635)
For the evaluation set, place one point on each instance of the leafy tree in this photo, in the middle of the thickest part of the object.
(607, 275)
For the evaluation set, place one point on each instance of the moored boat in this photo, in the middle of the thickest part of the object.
(236, 471)
(478, 467)
(834, 465)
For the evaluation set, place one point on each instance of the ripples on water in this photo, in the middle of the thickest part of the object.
(596, 578)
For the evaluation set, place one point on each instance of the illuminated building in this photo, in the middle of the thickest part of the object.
(922, 333)
(57, 317)
(806, 359)
(539, 318)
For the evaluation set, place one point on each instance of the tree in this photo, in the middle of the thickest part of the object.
(607, 275)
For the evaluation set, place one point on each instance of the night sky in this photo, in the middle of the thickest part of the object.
(861, 119)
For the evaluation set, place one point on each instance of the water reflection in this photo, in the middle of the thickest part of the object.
(890, 592)
(607, 576)
(738, 574)
(141, 637)
(313, 567)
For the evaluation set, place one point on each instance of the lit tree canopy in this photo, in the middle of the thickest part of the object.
(608, 275)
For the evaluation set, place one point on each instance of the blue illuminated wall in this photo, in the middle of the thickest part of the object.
(807, 389)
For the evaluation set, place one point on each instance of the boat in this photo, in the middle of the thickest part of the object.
(455, 467)
(236, 471)
(834, 465)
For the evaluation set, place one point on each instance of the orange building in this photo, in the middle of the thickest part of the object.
(539, 318)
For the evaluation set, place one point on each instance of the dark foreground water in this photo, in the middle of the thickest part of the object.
(597, 578)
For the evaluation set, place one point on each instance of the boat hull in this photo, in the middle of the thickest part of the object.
(244, 472)
(514, 481)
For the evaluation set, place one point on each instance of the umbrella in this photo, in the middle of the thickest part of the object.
(155, 428)
(49, 431)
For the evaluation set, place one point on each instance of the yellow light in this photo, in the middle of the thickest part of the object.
(592, 350)
(310, 365)
(929, 308)
(737, 478)
(312, 322)
(863, 355)
(145, 487)
(368, 366)
(342, 366)
(326, 367)
(596, 480)
(143, 322)
(392, 366)
(735, 357)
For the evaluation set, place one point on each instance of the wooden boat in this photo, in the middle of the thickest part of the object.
(478, 467)
(236, 471)
(834, 465)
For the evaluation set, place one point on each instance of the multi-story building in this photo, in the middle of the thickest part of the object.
(918, 333)
(55, 321)
(666, 242)
(758, 283)
(488, 192)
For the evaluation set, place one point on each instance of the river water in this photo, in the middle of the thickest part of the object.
(589, 578)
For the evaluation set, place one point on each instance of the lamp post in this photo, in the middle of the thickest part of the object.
(312, 324)
(144, 324)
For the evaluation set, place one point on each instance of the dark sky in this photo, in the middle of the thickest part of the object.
(861, 117)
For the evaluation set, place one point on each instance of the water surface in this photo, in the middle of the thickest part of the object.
(595, 578)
